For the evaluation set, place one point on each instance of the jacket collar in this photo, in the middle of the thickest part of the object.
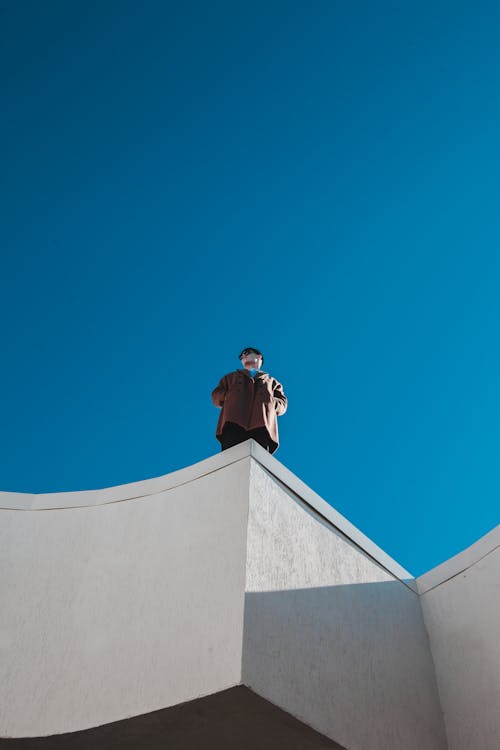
(258, 374)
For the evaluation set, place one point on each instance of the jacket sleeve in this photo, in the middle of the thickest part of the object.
(219, 393)
(280, 400)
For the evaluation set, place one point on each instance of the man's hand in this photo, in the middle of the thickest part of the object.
(280, 400)
(219, 393)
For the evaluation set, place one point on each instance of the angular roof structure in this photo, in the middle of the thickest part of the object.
(229, 590)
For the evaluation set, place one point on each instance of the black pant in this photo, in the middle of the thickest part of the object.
(232, 434)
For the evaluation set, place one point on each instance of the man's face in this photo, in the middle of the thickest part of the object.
(251, 360)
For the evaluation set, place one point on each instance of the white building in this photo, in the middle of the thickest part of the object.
(244, 611)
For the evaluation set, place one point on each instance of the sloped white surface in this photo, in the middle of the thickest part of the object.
(330, 635)
(119, 601)
(114, 610)
(461, 605)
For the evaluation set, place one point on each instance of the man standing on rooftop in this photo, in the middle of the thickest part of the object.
(251, 402)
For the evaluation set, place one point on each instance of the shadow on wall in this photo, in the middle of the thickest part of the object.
(353, 661)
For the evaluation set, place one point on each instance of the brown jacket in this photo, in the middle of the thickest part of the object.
(250, 403)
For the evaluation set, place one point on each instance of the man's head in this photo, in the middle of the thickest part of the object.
(251, 358)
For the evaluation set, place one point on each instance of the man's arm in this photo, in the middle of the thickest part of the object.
(280, 400)
(219, 393)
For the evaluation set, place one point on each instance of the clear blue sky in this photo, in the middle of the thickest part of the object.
(319, 180)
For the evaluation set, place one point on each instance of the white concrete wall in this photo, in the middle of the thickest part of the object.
(120, 601)
(330, 635)
(117, 602)
(461, 605)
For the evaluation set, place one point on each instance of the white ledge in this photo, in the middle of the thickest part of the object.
(122, 492)
(18, 501)
(461, 562)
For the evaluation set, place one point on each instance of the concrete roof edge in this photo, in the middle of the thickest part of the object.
(122, 492)
(460, 562)
(328, 512)
(19, 501)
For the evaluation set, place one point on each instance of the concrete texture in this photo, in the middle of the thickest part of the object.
(330, 635)
(119, 609)
(235, 719)
(328, 513)
(121, 601)
(461, 605)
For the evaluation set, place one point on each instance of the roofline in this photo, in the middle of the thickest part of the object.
(19, 501)
(332, 516)
(460, 562)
